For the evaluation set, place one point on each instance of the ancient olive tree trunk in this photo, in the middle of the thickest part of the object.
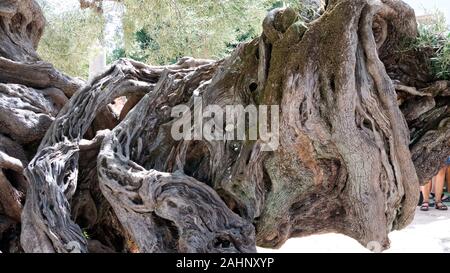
(31, 94)
(358, 130)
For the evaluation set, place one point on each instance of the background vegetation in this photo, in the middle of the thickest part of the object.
(435, 34)
(161, 31)
(68, 38)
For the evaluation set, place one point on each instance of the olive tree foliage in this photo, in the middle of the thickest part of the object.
(69, 37)
(435, 36)
(155, 32)
(160, 32)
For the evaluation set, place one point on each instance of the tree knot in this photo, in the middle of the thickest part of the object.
(277, 23)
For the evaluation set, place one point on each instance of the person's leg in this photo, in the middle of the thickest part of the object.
(440, 177)
(426, 196)
(433, 186)
(447, 177)
(426, 191)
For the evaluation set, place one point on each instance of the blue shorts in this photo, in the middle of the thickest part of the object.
(447, 161)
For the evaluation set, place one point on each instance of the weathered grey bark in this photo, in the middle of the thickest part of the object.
(357, 133)
(31, 94)
(430, 128)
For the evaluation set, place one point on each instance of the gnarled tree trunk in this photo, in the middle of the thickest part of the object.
(359, 128)
(31, 94)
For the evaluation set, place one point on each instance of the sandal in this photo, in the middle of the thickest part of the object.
(441, 206)
(425, 206)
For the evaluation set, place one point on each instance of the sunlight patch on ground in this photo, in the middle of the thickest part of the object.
(429, 232)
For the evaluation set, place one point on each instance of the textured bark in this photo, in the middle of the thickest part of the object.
(31, 94)
(358, 132)
(429, 123)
